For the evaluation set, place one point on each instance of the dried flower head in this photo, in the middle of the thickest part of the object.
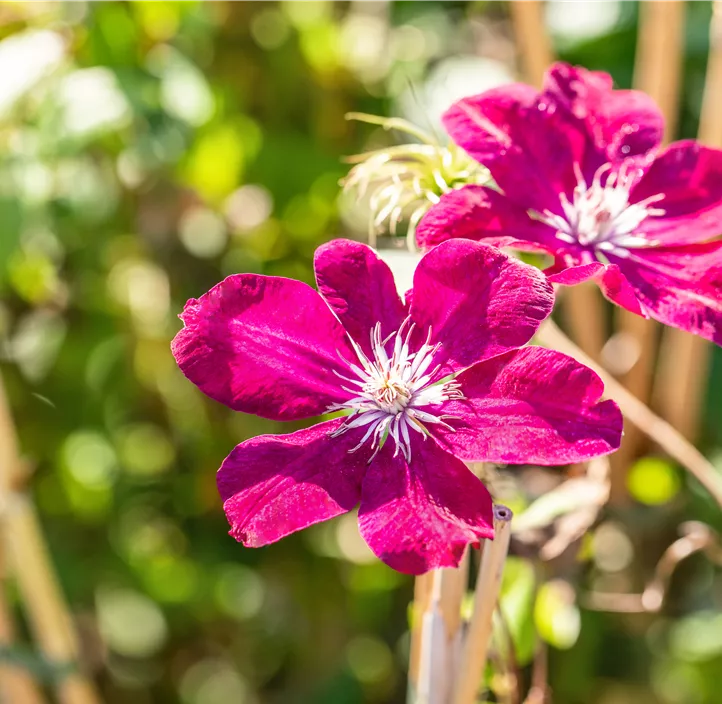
(404, 181)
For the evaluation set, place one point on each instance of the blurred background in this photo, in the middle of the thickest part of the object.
(148, 149)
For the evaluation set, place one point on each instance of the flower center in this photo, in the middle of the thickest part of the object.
(600, 215)
(391, 393)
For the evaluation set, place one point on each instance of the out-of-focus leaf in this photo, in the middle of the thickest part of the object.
(215, 165)
(11, 219)
(653, 481)
(516, 602)
(556, 614)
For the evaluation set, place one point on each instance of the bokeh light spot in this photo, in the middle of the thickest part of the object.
(653, 481)
(130, 623)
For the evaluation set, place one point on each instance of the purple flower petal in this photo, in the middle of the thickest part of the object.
(533, 405)
(679, 286)
(690, 177)
(421, 516)
(360, 289)
(263, 345)
(477, 301)
(527, 144)
(274, 485)
(622, 124)
(481, 213)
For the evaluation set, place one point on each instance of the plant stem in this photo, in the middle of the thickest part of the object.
(538, 694)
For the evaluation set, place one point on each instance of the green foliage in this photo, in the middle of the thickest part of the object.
(146, 151)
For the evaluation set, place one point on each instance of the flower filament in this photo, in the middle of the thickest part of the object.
(391, 391)
(600, 215)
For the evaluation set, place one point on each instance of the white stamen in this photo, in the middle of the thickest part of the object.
(600, 215)
(393, 390)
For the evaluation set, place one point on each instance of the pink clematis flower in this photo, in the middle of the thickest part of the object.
(582, 178)
(422, 386)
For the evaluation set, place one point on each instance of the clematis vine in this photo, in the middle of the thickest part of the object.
(581, 176)
(417, 386)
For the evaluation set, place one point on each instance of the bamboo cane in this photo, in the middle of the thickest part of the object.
(533, 43)
(453, 588)
(443, 607)
(453, 585)
(657, 71)
(685, 358)
(475, 648)
(434, 665)
(16, 684)
(658, 63)
(422, 597)
(584, 313)
(30, 563)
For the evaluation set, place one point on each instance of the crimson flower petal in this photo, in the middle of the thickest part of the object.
(609, 278)
(483, 214)
(477, 301)
(421, 516)
(617, 288)
(533, 405)
(274, 485)
(263, 345)
(359, 287)
(689, 175)
(528, 145)
(679, 286)
(573, 275)
(622, 124)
